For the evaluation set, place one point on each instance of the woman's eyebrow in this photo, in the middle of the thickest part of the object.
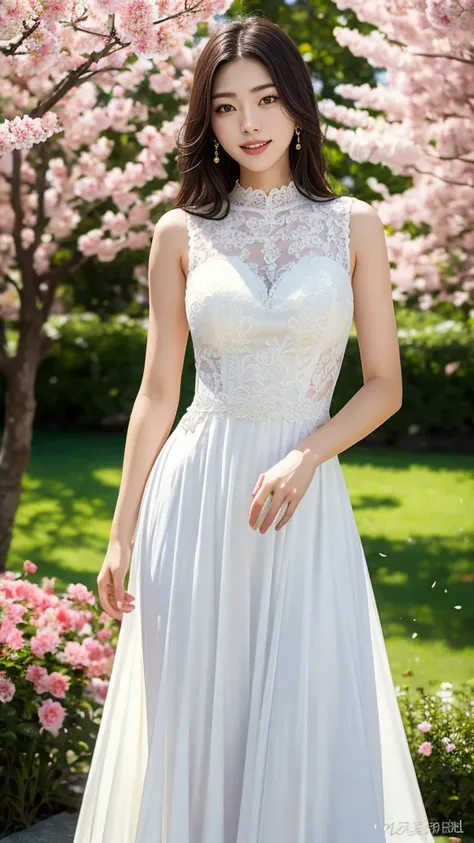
(252, 90)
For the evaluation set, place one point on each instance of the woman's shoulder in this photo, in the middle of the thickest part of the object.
(366, 225)
(173, 221)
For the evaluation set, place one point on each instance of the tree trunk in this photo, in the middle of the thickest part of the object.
(17, 434)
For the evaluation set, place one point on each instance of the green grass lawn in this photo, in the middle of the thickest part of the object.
(415, 513)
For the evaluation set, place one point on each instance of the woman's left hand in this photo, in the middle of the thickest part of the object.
(288, 480)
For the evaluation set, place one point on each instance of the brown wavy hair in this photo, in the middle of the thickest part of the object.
(205, 183)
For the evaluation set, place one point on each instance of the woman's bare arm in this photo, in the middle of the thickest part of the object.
(381, 395)
(155, 406)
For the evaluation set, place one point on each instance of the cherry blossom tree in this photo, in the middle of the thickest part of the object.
(92, 99)
(419, 121)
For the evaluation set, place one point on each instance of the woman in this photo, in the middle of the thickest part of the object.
(251, 699)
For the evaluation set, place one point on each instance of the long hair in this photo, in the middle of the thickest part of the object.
(205, 183)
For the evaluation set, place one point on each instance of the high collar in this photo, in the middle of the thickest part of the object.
(255, 197)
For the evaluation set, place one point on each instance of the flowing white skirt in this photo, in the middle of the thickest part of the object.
(251, 699)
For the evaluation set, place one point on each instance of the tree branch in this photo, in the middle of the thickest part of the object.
(40, 187)
(441, 178)
(72, 79)
(428, 55)
(12, 48)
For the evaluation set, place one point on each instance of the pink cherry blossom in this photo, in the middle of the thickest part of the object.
(29, 567)
(423, 129)
(450, 747)
(424, 727)
(25, 132)
(51, 715)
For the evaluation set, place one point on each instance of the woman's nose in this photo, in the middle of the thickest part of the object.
(249, 123)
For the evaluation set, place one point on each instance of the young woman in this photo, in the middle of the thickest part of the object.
(251, 699)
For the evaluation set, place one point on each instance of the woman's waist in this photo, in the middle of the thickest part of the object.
(256, 406)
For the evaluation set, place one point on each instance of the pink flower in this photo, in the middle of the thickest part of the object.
(94, 650)
(14, 611)
(66, 618)
(424, 727)
(24, 132)
(45, 641)
(6, 628)
(7, 688)
(98, 688)
(38, 675)
(75, 654)
(47, 584)
(81, 594)
(29, 567)
(58, 684)
(15, 640)
(450, 747)
(426, 748)
(51, 715)
(104, 634)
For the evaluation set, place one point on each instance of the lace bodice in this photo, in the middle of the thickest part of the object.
(269, 305)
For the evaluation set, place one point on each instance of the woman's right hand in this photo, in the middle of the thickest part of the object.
(112, 595)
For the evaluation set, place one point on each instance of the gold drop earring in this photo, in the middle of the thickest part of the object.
(297, 130)
(216, 156)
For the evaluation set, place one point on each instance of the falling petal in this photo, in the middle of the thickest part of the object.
(434, 584)
(415, 635)
(383, 554)
(458, 607)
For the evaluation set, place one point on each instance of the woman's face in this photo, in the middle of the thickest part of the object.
(241, 114)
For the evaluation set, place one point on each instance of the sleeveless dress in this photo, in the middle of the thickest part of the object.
(251, 699)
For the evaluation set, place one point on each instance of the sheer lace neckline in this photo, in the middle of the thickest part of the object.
(255, 197)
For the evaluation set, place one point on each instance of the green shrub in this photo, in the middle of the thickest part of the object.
(442, 751)
(56, 657)
(92, 375)
(434, 402)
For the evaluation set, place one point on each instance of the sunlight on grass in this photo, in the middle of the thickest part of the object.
(413, 511)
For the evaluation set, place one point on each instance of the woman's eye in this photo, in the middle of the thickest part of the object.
(220, 108)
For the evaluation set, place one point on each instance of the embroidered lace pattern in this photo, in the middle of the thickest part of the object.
(269, 305)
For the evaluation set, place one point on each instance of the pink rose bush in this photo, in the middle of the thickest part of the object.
(56, 656)
(440, 729)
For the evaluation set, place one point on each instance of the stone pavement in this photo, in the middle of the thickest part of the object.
(57, 829)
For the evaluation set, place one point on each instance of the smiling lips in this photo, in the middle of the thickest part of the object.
(255, 147)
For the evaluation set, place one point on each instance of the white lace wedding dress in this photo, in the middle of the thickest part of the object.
(251, 699)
